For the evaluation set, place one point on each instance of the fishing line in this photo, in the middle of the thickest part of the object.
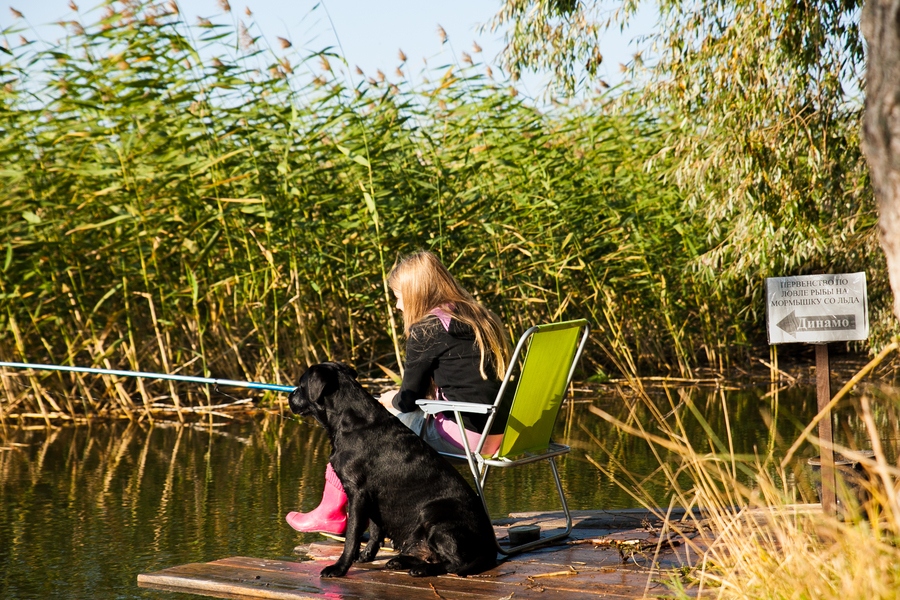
(265, 410)
(208, 380)
(187, 378)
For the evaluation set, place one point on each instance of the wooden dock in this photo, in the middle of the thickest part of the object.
(610, 554)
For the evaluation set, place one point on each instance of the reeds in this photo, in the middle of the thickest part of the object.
(181, 199)
(756, 540)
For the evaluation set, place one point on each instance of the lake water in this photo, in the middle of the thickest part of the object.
(84, 510)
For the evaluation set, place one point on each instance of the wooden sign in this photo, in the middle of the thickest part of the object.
(817, 309)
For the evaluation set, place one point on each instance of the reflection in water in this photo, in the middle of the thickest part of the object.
(83, 510)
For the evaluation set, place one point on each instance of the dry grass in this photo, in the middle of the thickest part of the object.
(771, 547)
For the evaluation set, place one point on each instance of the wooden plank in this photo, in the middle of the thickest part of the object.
(275, 580)
(576, 572)
(595, 562)
(602, 546)
(630, 517)
(285, 583)
(374, 584)
(209, 580)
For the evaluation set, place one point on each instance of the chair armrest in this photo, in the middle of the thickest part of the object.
(432, 407)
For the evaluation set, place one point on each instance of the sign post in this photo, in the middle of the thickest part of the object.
(826, 437)
(818, 309)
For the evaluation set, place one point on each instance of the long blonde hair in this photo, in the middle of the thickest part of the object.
(424, 283)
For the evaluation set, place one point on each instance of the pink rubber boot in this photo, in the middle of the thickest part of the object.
(331, 514)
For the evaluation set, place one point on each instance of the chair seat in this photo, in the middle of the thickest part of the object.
(552, 451)
(438, 406)
(528, 457)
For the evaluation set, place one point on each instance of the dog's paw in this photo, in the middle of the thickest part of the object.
(334, 570)
(396, 564)
(428, 570)
(419, 572)
(366, 555)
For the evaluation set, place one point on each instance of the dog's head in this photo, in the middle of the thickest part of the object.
(315, 386)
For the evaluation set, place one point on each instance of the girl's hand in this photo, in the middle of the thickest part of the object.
(387, 398)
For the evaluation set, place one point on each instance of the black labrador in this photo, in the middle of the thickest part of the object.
(396, 484)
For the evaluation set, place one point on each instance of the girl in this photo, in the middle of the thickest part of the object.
(456, 350)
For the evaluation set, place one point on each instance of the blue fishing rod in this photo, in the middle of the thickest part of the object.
(188, 378)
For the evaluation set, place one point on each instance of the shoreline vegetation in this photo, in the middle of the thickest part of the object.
(223, 405)
(754, 540)
(181, 199)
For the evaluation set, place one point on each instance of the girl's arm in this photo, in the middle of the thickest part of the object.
(422, 350)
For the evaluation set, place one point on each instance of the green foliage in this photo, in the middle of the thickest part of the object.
(178, 198)
(769, 149)
(766, 96)
(165, 210)
(556, 36)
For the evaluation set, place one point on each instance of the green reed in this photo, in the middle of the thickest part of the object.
(182, 199)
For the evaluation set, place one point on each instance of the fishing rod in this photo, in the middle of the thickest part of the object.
(188, 378)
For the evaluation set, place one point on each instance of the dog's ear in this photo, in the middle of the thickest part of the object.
(321, 381)
(343, 367)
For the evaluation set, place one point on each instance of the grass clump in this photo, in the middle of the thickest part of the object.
(757, 539)
(772, 550)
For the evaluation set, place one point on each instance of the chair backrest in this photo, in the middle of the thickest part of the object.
(553, 350)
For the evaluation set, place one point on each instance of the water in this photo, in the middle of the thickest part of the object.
(84, 510)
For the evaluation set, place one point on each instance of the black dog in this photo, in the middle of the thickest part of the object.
(395, 483)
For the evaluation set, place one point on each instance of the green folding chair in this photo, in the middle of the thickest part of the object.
(550, 354)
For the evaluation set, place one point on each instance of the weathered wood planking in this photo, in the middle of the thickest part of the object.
(242, 577)
(607, 563)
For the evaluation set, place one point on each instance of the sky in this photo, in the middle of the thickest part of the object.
(368, 33)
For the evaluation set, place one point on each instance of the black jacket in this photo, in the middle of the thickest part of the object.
(449, 357)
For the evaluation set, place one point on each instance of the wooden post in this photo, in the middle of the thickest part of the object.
(826, 441)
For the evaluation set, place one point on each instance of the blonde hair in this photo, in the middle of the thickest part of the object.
(424, 283)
